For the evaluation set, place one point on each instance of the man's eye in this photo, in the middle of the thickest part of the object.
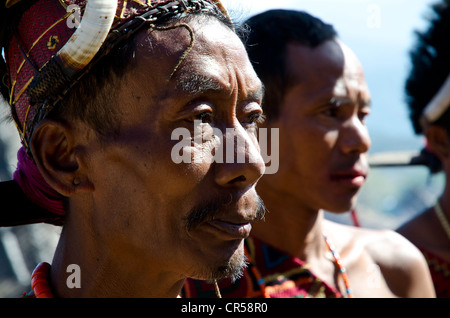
(205, 117)
(256, 118)
(363, 115)
(331, 111)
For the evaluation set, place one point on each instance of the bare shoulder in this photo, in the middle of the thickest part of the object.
(389, 249)
(382, 245)
(419, 230)
(402, 265)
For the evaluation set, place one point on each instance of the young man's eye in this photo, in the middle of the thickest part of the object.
(331, 111)
(363, 115)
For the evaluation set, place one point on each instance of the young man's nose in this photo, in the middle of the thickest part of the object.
(354, 137)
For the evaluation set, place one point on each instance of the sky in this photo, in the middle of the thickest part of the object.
(381, 33)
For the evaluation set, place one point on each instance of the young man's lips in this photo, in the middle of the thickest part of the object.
(352, 178)
(232, 231)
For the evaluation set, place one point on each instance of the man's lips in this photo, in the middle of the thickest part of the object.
(231, 231)
(351, 177)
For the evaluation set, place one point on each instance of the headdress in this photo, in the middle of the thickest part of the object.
(48, 46)
(51, 48)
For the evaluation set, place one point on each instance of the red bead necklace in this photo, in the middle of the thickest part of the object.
(341, 268)
(39, 281)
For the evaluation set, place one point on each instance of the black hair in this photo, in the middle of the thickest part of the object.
(430, 58)
(268, 35)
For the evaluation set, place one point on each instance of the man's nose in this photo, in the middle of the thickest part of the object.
(354, 137)
(242, 164)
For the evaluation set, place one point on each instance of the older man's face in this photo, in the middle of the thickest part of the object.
(190, 218)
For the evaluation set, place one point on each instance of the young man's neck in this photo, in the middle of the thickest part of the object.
(290, 226)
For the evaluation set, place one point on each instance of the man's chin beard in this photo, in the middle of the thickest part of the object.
(233, 269)
(233, 272)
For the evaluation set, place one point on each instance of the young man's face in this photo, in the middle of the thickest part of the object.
(323, 136)
(190, 218)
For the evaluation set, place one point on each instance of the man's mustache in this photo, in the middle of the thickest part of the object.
(207, 211)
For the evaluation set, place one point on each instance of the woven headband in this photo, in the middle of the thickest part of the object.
(46, 57)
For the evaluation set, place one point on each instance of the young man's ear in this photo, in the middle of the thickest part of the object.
(439, 141)
(53, 146)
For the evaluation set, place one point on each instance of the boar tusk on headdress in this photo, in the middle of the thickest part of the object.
(90, 35)
(438, 105)
(79, 50)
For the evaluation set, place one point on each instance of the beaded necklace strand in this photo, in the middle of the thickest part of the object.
(441, 216)
(341, 268)
(337, 258)
(39, 281)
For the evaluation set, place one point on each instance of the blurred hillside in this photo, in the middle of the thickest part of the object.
(22, 247)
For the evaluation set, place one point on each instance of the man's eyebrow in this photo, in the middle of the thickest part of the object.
(338, 101)
(366, 103)
(195, 84)
(257, 94)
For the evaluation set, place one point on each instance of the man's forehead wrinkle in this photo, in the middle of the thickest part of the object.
(214, 65)
(162, 45)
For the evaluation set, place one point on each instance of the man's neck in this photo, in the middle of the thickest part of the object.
(105, 272)
(290, 226)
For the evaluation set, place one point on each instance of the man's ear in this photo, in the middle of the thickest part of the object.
(438, 141)
(53, 146)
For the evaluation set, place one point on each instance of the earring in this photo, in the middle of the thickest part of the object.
(76, 181)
